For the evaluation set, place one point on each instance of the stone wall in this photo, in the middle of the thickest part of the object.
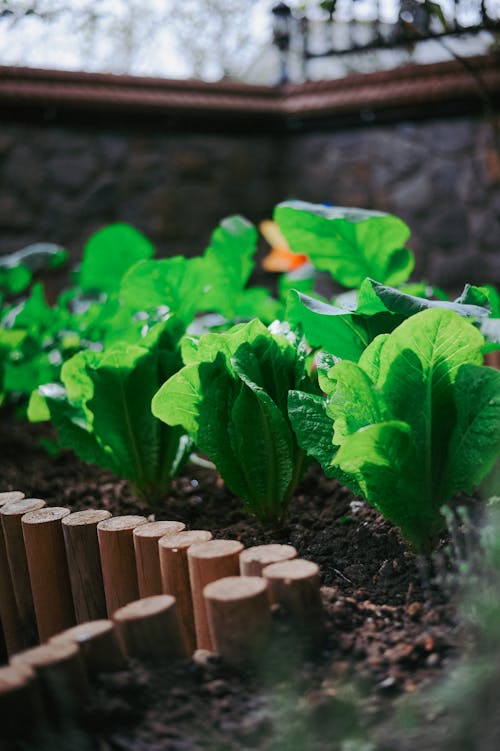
(59, 183)
(441, 177)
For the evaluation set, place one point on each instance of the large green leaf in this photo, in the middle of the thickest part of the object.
(173, 283)
(380, 457)
(349, 243)
(407, 305)
(339, 331)
(109, 253)
(353, 386)
(313, 428)
(227, 265)
(475, 444)
(265, 454)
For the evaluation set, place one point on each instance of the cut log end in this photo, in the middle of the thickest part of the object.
(87, 517)
(11, 496)
(159, 529)
(46, 515)
(121, 523)
(183, 540)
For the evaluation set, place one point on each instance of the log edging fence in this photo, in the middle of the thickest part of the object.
(95, 590)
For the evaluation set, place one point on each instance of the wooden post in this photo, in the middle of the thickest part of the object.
(295, 585)
(21, 706)
(116, 546)
(175, 578)
(209, 561)
(48, 570)
(11, 515)
(256, 558)
(147, 555)
(9, 616)
(62, 676)
(239, 617)
(98, 644)
(84, 563)
(11, 496)
(149, 629)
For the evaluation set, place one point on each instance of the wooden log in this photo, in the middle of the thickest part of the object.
(239, 617)
(295, 585)
(147, 554)
(84, 563)
(22, 711)
(209, 561)
(11, 515)
(149, 629)
(62, 677)
(116, 547)
(9, 616)
(11, 496)
(175, 578)
(99, 646)
(48, 570)
(256, 558)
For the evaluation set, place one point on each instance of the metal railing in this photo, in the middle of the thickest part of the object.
(343, 27)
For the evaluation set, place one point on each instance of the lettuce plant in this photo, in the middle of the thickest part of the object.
(231, 398)
(102, 410)
(416, 420)
(349, 243)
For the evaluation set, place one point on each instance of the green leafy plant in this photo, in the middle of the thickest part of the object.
(215, 281)
(346, 329)
(102, 410)
(349, 243)
(231, 398)
(416, 420)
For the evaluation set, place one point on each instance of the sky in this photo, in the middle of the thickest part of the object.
(152, 37)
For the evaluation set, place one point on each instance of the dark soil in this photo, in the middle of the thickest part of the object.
(388, 630)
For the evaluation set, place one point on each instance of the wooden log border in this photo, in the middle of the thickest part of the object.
(132, 628)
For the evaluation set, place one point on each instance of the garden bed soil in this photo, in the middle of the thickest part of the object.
(388, 630)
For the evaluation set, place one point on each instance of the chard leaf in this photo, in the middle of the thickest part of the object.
(338, 331)
(475, 444)
(109, 253)
(349, 243)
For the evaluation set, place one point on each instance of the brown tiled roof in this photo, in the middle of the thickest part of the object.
(404, 88)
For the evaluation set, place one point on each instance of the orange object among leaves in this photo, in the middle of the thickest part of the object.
(280, 258)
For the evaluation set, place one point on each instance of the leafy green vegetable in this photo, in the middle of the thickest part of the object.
(231, 397)
(108, 254)
(349, 243)
(343, 332)
(376, 309)
(213, 282)
(102, 410)
(414, 421)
